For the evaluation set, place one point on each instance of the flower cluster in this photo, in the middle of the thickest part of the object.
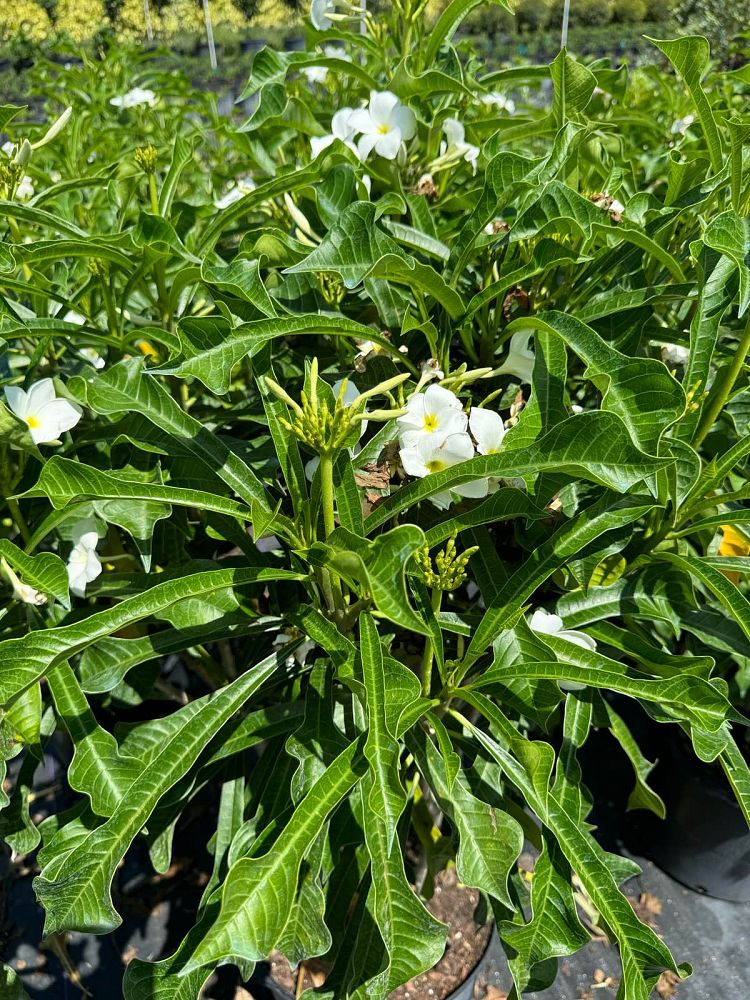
(435, 434)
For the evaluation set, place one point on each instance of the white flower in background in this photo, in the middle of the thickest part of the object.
(315, 74)
(520, 360)
(384, 124)
(71, 316)
(545, 623)
(429, 370)
(84, 564)
(432, 415)
(499, 101)
(301, 652)
(93, 357)
(243, 186)
(674, 354)
(616, 206)
(8, 147)
(46, 416)
(319, 11)
(681, 125)
(134, 98)
(25, 189)
(488, 430)
(340, 129)
(336, 52)
(424, 455)
(456, 144)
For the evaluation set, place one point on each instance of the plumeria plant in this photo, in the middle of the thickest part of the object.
(410, 413)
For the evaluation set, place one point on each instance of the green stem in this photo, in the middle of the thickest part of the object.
(723, 388)
(20, 520)
(154, 194)
(331, 583)
(429, 653)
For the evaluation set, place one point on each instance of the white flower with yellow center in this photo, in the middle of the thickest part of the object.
(84, 564)
(487, 429)
(384, 124)
(499, 101)
(46, 416)
(433, 415)
(424, 456)
(520, 360)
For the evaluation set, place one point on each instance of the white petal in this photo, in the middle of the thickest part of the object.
(388, 145)
(454, 131)
(474, 489)
(382, 104)
(439, 398)
(59, 415)
(404, 119)
(17, 400)
(545, 623)
(350, 394)
(84, 533)
(360, 120)
(341, 125)
(457, 448)
(413, 461)
(578, 638)
(365, 145)
(317, 144)
(41, 392)
(488, 430)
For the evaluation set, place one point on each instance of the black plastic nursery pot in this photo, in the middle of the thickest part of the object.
(704, 842)
(486, 973)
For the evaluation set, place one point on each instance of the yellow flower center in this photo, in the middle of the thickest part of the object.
(384, 129)
(32, 423)
(436, 465)
(430, 422)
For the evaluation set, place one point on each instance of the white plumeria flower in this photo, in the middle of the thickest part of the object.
(456, 143)
(384, 124)
(432, 415)
(46, 416)
(319, 11)
(71, 316)
(423, 455)
(340, 129)
(674, 354)
(301, 652)
(8, 147)
(25, 189)
(520, 360)
(84, 564)
(488, 430)
(546, 623)
(315, 74)
(499, 101)
(243, 186)
(134, 98)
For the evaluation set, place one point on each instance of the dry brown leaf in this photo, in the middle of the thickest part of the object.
(667, 985)
(494, 993)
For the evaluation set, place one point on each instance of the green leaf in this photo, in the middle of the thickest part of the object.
(11, 985)
(45, 572)
(442, 31)
(690, 56)
(378, 566)
(594, 446)
(574, 87)
(242, 279)
(29, 657)
(729, 234)
(75, 890)
(258, 892)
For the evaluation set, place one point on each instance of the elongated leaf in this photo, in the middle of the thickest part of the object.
(28, 658)
(45, 572)
(75, 891)
(258, 892)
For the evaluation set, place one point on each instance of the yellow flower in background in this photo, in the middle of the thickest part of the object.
(733, 544)
(23, 18)
(182, 17)
(79, 19)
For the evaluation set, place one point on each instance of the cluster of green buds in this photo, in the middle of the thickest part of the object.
(145, 157)
(98, 267)
(325, 429)
(332, 288)
(447, 571)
